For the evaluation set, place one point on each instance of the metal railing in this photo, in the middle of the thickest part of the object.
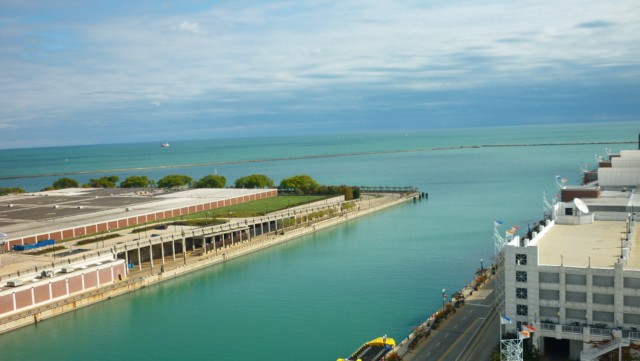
(547, 327)
(571, 329)
(600, 331)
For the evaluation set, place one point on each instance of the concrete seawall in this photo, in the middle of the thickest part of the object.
(146, 278)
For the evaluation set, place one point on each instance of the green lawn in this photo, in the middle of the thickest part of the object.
(250, 209)
(258, 208)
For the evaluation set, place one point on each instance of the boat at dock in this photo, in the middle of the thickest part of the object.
(373, 350)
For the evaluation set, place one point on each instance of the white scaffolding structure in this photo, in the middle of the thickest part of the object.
(498, 243)
(511, 350)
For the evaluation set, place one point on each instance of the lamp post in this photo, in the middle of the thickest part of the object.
(444, 298)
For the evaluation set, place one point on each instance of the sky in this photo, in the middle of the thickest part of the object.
(93, 72)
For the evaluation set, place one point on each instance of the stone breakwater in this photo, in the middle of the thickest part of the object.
(148, 277)
(306, 157)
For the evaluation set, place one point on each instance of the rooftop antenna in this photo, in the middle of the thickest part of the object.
(560, 182)
(546, 206)
(584, 167)
(582, 207)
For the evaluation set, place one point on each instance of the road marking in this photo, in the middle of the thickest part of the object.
(478, 304)
(464, 318)
(453, 345)
(446, 335)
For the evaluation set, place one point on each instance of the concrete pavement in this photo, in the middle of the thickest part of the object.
(468, 334)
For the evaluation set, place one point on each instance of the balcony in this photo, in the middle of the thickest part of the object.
(578, 331)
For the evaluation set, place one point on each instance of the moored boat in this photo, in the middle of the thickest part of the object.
(373, 350)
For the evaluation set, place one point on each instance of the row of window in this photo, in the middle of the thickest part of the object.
(573, 279)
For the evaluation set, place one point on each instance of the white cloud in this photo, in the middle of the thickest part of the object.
(282, 51)
(157, 98)
(189, 27)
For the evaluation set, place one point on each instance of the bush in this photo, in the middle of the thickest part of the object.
(5, 191)
(175, 181)
(254, 181)
(211, 181)
(135, 182)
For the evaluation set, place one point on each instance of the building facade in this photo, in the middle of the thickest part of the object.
(576, 275)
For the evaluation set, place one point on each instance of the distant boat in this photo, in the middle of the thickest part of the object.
(165, 145)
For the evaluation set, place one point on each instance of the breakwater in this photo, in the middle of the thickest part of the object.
(308, 157)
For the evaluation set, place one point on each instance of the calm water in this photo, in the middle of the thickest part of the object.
(321, 296)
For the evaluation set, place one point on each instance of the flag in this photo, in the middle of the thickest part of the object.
(504, 320)
(524, 334)
(529, 328)
(498, 222)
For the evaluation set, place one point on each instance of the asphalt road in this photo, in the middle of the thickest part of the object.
(469, 334)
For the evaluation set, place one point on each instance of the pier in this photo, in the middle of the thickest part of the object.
(166, 254)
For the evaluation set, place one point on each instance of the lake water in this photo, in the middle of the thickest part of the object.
(321, 296)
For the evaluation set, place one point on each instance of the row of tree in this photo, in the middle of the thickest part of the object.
(5, 191)
(298, 184)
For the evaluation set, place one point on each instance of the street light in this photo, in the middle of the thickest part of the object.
(444, 298)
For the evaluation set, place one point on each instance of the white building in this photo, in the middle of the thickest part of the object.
(576, 275)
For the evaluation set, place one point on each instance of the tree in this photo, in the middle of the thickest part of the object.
(135, 181)
(5, 191)
(254, 181)
(104, 182)
(211, 181)
(63, 183)
(300, 182)
(175, 180)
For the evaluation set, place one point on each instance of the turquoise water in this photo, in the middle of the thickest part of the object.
(321, 296)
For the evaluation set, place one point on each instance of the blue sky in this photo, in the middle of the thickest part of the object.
(86, 72)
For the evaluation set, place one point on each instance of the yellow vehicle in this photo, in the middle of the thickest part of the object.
(374, 350)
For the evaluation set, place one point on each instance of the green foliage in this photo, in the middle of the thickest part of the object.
(200, 222)
(63, 183)
(135, 181)
(47, 250)
(531, 353)
(300, 182)
(348, 192)
(175, 180)
(104, 182)
(5, 191)
(211, 181)
(288, 222)
(254, 181)
(348, 206)
(98, 238)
